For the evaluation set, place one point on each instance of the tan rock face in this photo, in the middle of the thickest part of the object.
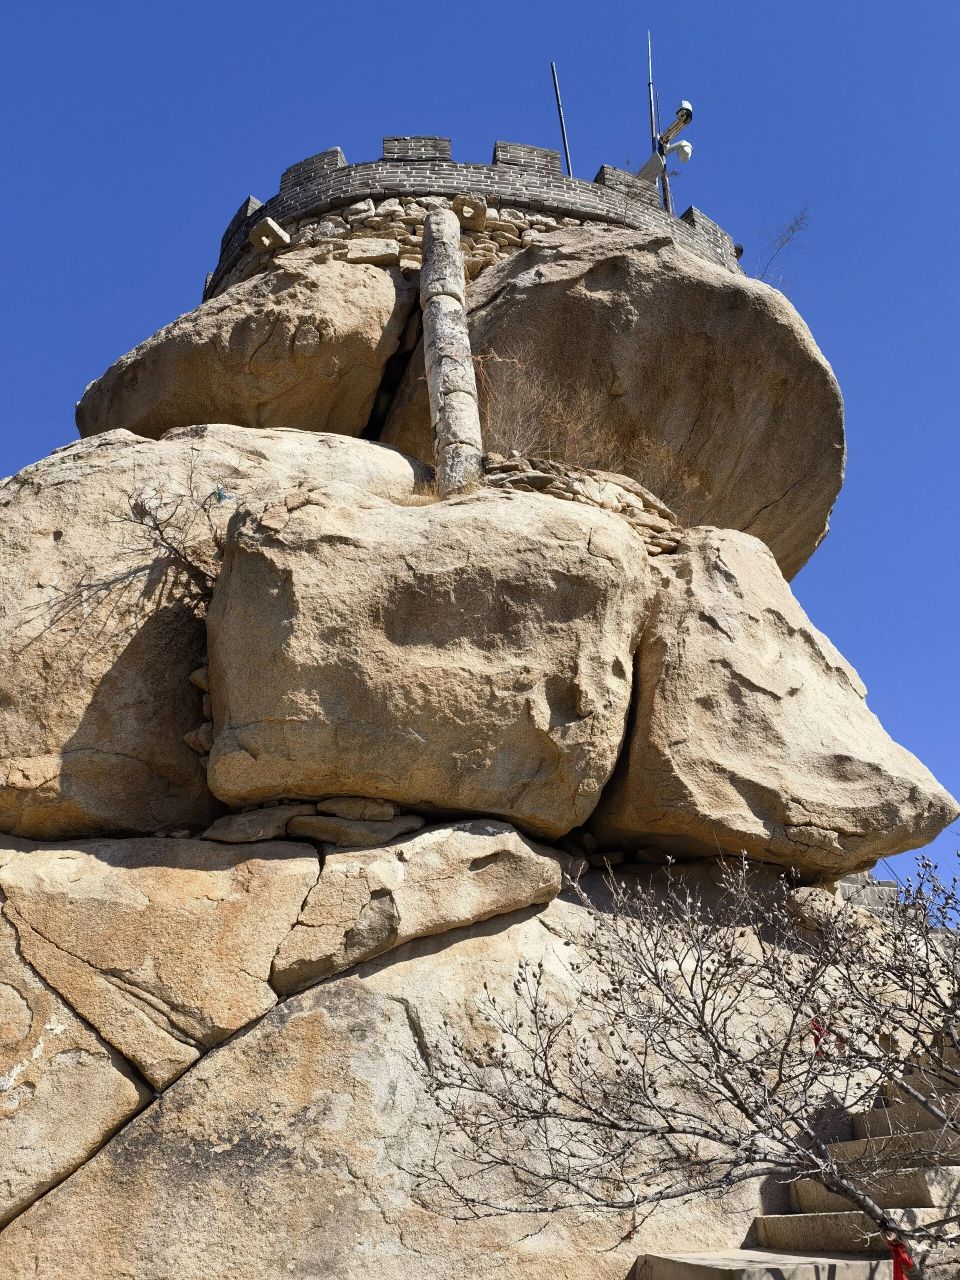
(292, 1150)
(104, 563)
(164, 946)
(258, 824)
(443, 879)
(302, 345)
(472, 655)
(350, 833)
(751, 732)
(63, 1091)
(622, 351)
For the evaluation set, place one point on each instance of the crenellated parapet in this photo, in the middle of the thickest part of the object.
(521, 177)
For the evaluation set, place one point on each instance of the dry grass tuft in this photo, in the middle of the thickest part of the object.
(523, 410)
(425, 495)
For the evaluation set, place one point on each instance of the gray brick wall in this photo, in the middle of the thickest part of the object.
(539, 159)
(307, 171)
(416, 148)
(522, 177)
(240, 219)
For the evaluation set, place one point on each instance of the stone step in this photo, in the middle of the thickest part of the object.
(928, 1078)
(902, 1189)
(902, 1115)
(865, 891)
(850, 1232)
(943, 1067)
(924, 1083)
(906, 1149)
(759, 1264)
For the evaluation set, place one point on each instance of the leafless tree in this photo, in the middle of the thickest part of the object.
(162, 544)
(701, 1040)
(779, 244)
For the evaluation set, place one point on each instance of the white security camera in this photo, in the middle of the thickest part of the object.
(684, 116)
(682, 150)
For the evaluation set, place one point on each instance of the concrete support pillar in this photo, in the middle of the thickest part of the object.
(451, 381)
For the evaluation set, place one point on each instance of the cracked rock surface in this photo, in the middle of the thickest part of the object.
(63, 1091)
(470, 655)
(302, 345)
(164, 946)
(751, 732)
(293, 1149)
(435, 881)
(110, 547)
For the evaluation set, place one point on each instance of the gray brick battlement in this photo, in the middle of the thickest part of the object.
(520, 176)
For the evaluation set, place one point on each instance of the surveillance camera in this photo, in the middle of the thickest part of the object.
(682, 150)
(684, 116)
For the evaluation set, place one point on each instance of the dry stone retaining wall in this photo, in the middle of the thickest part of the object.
(524, 186)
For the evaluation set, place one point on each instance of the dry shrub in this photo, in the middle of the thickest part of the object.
(526, 409)
(425, 495)
(522, 410)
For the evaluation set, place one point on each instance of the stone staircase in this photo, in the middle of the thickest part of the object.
(823, 1239)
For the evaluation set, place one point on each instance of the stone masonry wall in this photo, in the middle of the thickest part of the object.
(524, 183)
(390, 233)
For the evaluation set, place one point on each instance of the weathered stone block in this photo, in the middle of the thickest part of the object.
(303, 345)
(472, 655)
(751, 733)
(101, 624)
(381, 253)
(268, 235)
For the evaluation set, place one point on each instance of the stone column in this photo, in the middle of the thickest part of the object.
(451, 382)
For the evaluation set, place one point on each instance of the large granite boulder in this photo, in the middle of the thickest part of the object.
(302, 345)
(124, 962)
(621, 350)
(295, 1148)
(110, 548)
(63, 1091)
(751, 732)
(164, 946)
(472, 655)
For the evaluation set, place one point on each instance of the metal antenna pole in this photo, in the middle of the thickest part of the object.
(654, 132)
(563, 123)
(653, 114)
(667, 196)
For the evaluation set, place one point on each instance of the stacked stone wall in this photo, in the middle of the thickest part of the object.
(523, 180)
(390, 233)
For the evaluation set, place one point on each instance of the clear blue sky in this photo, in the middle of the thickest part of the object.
(131, 132)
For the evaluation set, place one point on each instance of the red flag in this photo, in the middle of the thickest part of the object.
(902, 1261)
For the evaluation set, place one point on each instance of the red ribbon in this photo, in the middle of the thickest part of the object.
(821, 1032)
(902, 1261)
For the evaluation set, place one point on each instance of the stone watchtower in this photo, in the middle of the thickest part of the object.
(522, 192)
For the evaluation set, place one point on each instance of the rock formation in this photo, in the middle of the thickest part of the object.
(729, 660)
(303, 347)
(111, 548)
(469, 655)
(299, 747)
(704, 385)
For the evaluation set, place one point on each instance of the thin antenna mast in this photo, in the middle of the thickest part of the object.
(663, 142)
(667, 196)
(653, 113)
(563, 123)
(654, 130)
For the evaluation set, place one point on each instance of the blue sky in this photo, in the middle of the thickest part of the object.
(132, 132)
